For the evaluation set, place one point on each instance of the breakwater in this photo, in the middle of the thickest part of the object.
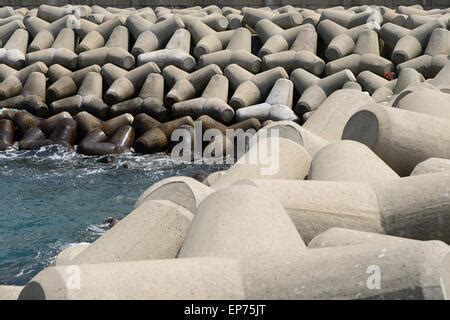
(341, 186)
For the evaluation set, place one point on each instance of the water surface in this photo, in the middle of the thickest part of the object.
(52, 198)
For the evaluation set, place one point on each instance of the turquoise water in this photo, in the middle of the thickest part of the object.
(52, 199)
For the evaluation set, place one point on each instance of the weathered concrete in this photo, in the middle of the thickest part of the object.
(176, 53)
(187, 88)
(213, 102)
(269, 158)
(199, 278)
(431, 165)
(411, 270)
(408, 44)
(392, 134)
(66, 256)
(127, 85)
(313, 96)
(349, 161)
(391, 206)
(278, 105)
(184, 191)
(252, 90)
(240, 222)
(10, 292)
(154, 230)
(302, 54)
(329, 120)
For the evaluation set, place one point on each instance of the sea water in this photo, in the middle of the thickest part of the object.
(53, 198)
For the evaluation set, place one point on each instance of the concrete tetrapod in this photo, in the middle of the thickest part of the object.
(235, 21)
(415, 20)
(12, 81)
(338, 237)
(187, 87)
(278, 105)
(411, 270)
(413, 207)
(349, 161)
(435, 55)
(293, 131)
(442, 79)
(115, 51)
(269, 157)
(390, 15)
(105, 137)
(329, 120)
(340, 41)
(10, 292)
(206, 39)
(157, 36)
(431, 165)
(240, 222)
(156, 137)
(251, 89)
(65, 257)
(302, 54)
(275, 264)
(346, 18)
(406, 78)
(310, 16)
(214, 20)
(352, 85)
(238, 51)
(176, 53)
(408, 44)
(314, 91)
(6, 134)
(61, 51)
(46, 33)
(154, 230)
(14, 51)
(424, 100)
(149, 100)
(198, 278)
(365, 57)
(88, 98)
(127, 85)
(213, 102)
(67, 84)
(407, 81)
(184, 191)
(137, 24)
(97, 38)
(285, 20)
(52, 13)
(33, 94)
(274, 38)
(371, 82)
(6, 11)
(392, 134)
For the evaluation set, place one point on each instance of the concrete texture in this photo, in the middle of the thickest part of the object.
(184, 191)
(351, 110)
(154, 230)
(199, 278)
(349, 161)
(240, 222)
(270, 158)
(9, 292)
(385, 130)
(431, 165)
(389, 206)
